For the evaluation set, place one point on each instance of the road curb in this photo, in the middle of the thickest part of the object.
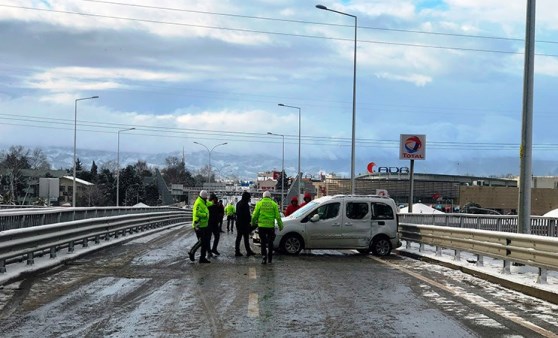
(525, 289)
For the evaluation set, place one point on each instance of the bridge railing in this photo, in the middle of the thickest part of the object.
(17, 219)
(532, 250)
(25, 243)
(542, 226)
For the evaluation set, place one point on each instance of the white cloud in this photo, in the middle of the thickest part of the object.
(416, 79)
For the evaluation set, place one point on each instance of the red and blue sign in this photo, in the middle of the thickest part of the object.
(412, 147)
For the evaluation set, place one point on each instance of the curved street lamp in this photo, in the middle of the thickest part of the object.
(118, 166)
(298, 175)
(354, 96)
(282, 170)
(75, 138)
(209, 157)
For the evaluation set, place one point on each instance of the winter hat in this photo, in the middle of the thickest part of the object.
(203, 194)
(212, 197)
(246, 196)
(295, 199)
(266, 194)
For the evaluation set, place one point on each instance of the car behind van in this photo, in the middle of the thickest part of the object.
(366, 223)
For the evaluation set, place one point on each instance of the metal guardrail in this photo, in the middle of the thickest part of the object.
(17, 219)
(542, 226)
(24, 244)
(531, 250)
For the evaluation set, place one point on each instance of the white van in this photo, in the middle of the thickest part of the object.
(365, 223)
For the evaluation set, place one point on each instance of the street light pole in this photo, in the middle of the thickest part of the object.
(353, 139)
(298, 175)
(282, 170)
(209, 157)
(118, 166)
(75, 138)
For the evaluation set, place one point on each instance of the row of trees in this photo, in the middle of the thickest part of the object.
(137, 183)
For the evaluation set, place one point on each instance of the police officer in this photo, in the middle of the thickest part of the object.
(264, 216)
(230, 211)
(200, 218)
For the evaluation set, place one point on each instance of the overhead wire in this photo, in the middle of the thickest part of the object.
(166, 132)
(272, 33)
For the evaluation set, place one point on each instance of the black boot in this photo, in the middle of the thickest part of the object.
(264, 261)
(269, 258)
(192, 258)
(238, 254)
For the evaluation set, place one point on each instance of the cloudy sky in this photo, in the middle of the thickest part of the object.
(214, 71)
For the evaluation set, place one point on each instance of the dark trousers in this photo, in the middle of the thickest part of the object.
(239, 236)
(216, 235)
(230, 223)
(204, 236)
(267, 236)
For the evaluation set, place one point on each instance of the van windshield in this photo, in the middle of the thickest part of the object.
(300, 212)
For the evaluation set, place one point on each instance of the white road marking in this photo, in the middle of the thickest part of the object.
(490, 306)
(252, 273)
(253, 307)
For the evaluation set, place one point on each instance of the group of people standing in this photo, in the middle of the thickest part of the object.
(208, 215)
(294, 206)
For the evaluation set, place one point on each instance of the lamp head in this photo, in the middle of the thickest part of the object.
(269, 133)
(280, 104)
(321, 7)
(94, 97)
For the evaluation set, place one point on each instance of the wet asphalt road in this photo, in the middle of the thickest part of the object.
(148, 288)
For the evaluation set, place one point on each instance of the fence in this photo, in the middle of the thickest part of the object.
(25, 243)
(532, 250)
(17, 219)
(542, 226)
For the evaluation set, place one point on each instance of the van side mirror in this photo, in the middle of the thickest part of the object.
(315, 218)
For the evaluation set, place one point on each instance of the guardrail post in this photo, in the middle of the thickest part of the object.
(97, 239)
(43, 219)
(541, 278)
(552, 228)
(421, 247)
(85, 243)
(461, 221)
(53, 252)
(71, 247)
(457, 255)
(2, 266)
(499, 224)
(507, 267)
(30, 258)
(480, 260)
(438, 251)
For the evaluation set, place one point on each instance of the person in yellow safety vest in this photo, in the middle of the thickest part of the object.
(230, 211)
(200, 219)
(264, 216)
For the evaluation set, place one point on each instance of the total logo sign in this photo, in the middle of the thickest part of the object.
(412, 147)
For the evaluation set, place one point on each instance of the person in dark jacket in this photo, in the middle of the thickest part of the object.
(243, 226)
(213, 223)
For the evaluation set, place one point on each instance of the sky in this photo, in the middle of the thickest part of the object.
(213, 71)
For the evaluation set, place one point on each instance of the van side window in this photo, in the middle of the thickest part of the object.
(357, 210)
(328, 211)
(382, 211)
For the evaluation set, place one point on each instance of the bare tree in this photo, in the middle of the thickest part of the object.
(38, 160)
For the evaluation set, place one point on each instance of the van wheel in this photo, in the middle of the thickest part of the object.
(381, 246)
(291, 244)
(364, 251)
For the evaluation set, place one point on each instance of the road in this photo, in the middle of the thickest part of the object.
(148, 288)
